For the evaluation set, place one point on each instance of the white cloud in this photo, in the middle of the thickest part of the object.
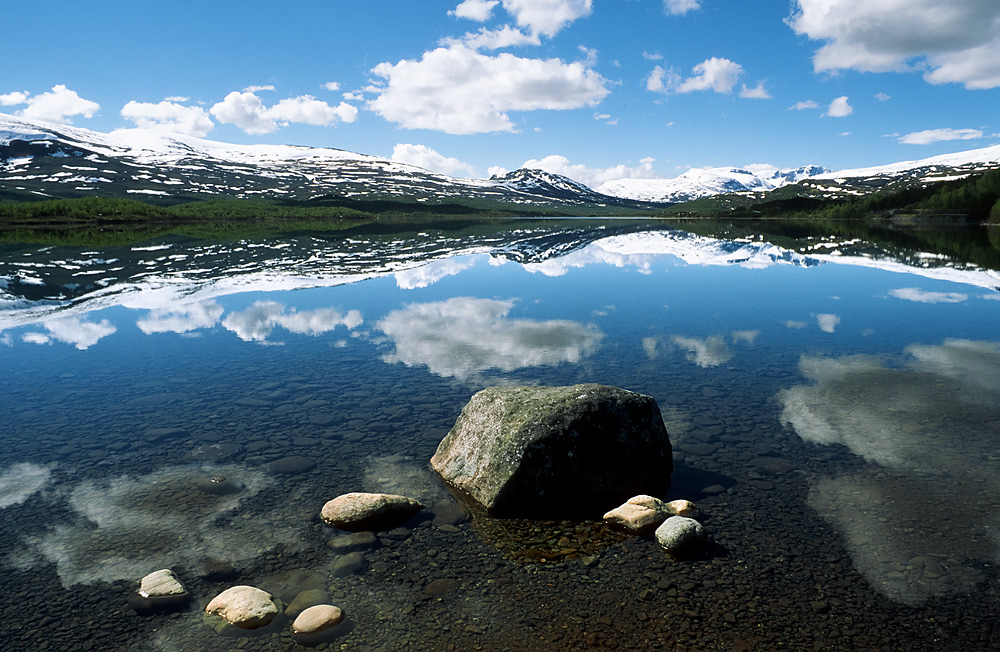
(176, 98)
(431, 273)
(181, 319)
(477, 10)
(662, 80)
(497, 171)
(952, 42)
(13, 99)
(827, 323)
(464, 336)
(592, 177)
(331, 86)
(930, 136)
(58, 105)
(256, 322)
(72, 330)
(169, 116)
(254, 89)
(681, 7)
(547, 16)
(306, 109)
(652, 56)
(247, 111)
(493, 39)
(715, 74)
(840, 108)
(882, 97)
(758, 92)
(427, 158)
(708, 352)
(924, 296)
(806, 104)
(458, 90)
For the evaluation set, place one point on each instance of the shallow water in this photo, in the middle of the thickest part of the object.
(832, 403)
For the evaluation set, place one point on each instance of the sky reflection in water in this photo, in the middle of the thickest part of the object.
(901, 370)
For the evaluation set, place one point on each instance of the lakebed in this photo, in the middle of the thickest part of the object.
(830, 400)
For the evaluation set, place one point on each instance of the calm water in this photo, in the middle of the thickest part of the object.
(832, 402)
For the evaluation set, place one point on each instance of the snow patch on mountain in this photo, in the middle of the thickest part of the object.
(705, 182)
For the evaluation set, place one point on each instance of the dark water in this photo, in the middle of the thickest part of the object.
(832, 402)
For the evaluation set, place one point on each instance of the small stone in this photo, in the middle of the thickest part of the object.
(680, 535)
(317, 618)
(440, 587)
(683, 508)
(290, 465)
(159, 434)
(819, 607)
(713, 490)
(638, 513)
(358, 511)
(353, 563)
(159, 592)
(352, 542)
(305, 599)
(247, 607)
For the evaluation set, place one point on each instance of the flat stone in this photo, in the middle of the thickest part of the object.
(159, 434)
(247, 607)
(359, 511)
(352, 542)
(638, 513)
(305, 599)
(683, 507)
(159, 592)
(441, 587)
(353, 563)
(317, 618)
(290, 465)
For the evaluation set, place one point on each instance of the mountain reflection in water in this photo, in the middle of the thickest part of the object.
(831, 401)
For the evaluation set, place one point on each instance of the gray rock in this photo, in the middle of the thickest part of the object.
(357, 511)
(305, 599)
(353, 563)
(353, 542)
(680, 535)
(247, 607)
(293, 464)
(556, 451)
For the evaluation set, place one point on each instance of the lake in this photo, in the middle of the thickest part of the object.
(831, 394)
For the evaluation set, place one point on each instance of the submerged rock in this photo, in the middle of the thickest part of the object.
(159, 592)
(359, 511)
(556, 451)
(680, 535)
(247, 607)
(317, 618)
(290, 465)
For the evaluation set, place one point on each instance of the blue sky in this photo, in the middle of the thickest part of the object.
(594, 89)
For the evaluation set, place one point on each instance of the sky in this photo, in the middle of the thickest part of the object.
(597, 90)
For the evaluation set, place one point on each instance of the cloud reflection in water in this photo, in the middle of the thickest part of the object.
(464, 336)
(256, 322)
(925, 514)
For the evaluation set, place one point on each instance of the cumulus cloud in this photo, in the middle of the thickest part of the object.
(246, 111)
(758, 92)
(182, 319)
(715, 74)
(463, 336)
(331, 86)
(924, 427)
(477, 10)
(827, 323)
(592, 177)
(923, 296)
(431, 273)
(952, 42)
(13, 99)
(882, 97)
(256, 322)
(493, 39)
(459, 90)
(254, 89)
(170, 117)
(805, 104)
(71, 330)
(707, 352)
(58, 105)
(680, 7)
(547, 16)
(930, 136)
(427, 158)
(839, 108)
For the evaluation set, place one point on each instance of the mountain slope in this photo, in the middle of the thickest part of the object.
(705, 182)
(43, 160)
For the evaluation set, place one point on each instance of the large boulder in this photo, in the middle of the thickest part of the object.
(564, 452)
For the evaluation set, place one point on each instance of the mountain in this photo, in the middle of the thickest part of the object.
(42, 160)
(705, 182)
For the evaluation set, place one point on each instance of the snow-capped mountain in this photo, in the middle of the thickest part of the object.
(39, 159)
(705, 182)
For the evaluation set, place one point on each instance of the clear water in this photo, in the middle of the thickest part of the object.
(832, 402)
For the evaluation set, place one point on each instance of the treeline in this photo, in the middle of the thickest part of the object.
(975, 198)
(81, 209)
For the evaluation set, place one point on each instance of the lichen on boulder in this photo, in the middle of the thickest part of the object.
(565, 452)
